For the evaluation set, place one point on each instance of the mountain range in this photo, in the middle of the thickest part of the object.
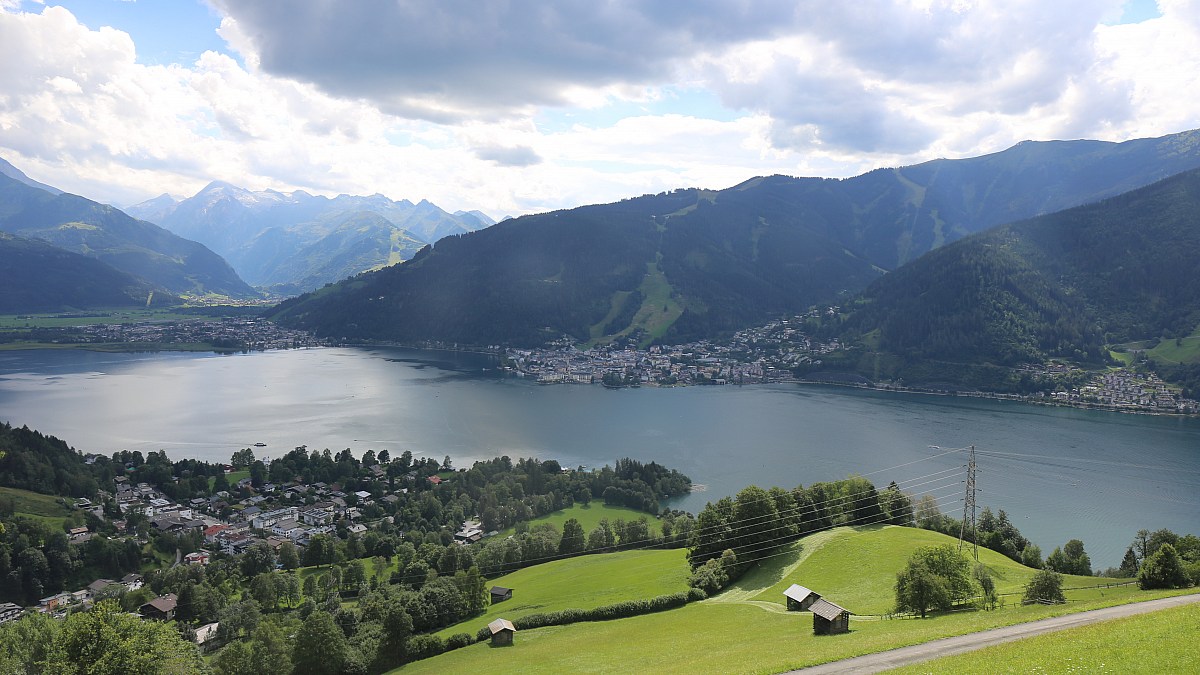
(107, 234)
(697, 263)
(1061, 286)
(294, 241)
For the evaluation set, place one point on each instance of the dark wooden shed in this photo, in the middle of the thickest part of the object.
(800, 598)
(500, 594)
(829, 619)
(502, 632)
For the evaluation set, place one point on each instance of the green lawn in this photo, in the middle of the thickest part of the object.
(1186, 350)
(107, 316)
(590, 515)
(584, 582)
(1158, 642)
(233, 477)
(35, 505)
(746, 628)
(857, 567)
(709, 637)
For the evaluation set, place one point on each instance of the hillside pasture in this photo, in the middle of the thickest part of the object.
(708, 637)
(589, 516)
(857, 567)
(584, 582)
(34, 505)
(746, 628)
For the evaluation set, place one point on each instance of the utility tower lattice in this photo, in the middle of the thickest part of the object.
(968, 519)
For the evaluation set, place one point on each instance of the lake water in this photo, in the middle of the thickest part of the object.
(1060, 473)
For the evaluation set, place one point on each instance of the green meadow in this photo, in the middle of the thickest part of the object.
(584, 582)
(35, 505)
(1157, 642)
(746, 629)
(856, 567)
(589, 516)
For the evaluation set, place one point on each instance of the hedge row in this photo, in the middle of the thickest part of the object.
(619, 610)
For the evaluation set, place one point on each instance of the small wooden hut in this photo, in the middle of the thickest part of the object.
(800, 598)
(500, 594)
(502, 632)
(829, 619)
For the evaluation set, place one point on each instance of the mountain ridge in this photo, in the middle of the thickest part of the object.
(264, 233)
(694, 263)
(106, 233)
(1064, 285)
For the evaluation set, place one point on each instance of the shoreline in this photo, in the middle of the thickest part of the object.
(996, 396)
(132, 347)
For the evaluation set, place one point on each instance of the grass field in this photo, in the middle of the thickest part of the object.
(821, 562)
(1186, 350)
(746, 630)
(584, 582)
(66, 319)
(233, 477)
(709, 637)
(35, 505)
(1158, 642)
(590, 515)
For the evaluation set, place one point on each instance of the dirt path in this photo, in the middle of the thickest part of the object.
(874, 663)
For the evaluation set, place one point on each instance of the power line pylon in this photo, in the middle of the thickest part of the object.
(968, 519)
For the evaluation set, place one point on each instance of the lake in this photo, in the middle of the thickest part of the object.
(1060, 473)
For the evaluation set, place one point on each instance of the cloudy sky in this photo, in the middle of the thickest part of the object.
(518, 106)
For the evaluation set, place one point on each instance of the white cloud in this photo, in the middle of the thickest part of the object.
(425, 100)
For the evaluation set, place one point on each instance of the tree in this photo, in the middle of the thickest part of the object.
(25, 644)
(355, 576)
(220, 483)
(321, 551)
(393, 644)
(1163, 569)
(918, 589)
(1032, 556)
(262, 589)
(987, 587)
(288, 556)
(238, 620)
(1077, 559)
(236, 659)
(242, 458)
(951, 583)
(270, 649)
(320, 645)
(1044, 587)
(473, 587)
(1071, 559)
(258, 559)
(572, 538)
(898, 505)
(107, 641)
(1129, 564)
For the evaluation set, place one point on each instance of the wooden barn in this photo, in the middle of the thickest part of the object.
(500, 594)
(502, 632)
(829, 619)
(800, 598)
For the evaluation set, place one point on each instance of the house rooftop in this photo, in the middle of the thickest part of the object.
(799, 593)
(501, 624)
(826, 609)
